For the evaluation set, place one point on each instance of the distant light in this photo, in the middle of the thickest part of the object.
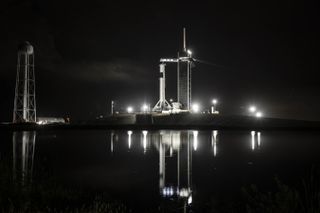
(259, 114)
(144, 107)
(189, 52)
(171, 100)
(196, 108)
(189, 199)
(130, 109)
(252, 109)
(214, 101)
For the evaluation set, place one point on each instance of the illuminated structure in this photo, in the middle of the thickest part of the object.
(184, 63)
(25, 100)
(23, 156)
(184, 75)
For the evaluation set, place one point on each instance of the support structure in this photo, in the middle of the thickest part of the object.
(25, 99)
(184, 71)
(184, 63)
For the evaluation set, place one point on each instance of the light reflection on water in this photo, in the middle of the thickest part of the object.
(187, 163)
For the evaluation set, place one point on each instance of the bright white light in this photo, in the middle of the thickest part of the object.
(190, 200)
(259, 114)
(129, 138)
(189, 52)
(215, 133)
(195, 140)
(214, 101)
(252, 109)
(130, 109)
(144, 132)
(195, 108)
(214, 142)
(144, 107)
(253, 140)
(259, 139)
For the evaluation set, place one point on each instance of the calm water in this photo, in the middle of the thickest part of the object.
(147, 169)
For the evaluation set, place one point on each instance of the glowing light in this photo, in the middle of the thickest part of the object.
(195, 140)
(130, 109)
(129, 138)
(215, 133)
(196, 108)
(189, 199)
(259, 114)
(252, 109)
(214, 101)
(189, 52)
(145, 107)
(259, 139)
(144, 132)
(214, 142)
(253, 140)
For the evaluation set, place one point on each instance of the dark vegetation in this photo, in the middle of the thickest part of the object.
(17, 195)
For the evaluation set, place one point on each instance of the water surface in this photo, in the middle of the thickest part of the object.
(148, 169)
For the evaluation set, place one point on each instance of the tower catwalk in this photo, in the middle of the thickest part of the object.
(25, 100)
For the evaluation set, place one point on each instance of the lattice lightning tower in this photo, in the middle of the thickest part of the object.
(25, 99)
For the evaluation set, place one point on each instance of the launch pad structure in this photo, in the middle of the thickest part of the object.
(184, 63)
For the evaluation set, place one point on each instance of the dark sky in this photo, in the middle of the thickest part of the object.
(90, 52)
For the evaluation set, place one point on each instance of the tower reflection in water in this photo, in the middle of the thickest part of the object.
(214, 134)
(179, 162)
(23, 144)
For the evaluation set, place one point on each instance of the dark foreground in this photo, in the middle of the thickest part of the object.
(140, 171)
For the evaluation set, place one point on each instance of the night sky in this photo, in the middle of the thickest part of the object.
(88, 53)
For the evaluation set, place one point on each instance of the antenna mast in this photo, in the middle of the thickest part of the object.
(184, 40)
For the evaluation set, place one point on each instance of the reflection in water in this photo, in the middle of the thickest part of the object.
(214, 134)
(253, 140)
(111, 141)
(180, 189)
(175, 158)
(253, 133)
(259, 139)
(144, 142)
(195, 140)
(23, 155)
(129, 139)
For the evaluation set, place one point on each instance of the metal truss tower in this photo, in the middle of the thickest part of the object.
(25, 99)
(184, 75)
